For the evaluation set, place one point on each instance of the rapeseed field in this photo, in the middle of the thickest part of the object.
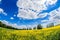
(52, 33)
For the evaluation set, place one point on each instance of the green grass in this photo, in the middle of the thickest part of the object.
(42, 34)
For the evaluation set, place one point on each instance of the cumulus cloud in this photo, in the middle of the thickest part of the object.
(12, 18)
(54, 17)
(44, 21)
(50, 2)
(55, 14)
(2, 11)
(14, 15)
(42, 15)
(5, 22)
(29, 9)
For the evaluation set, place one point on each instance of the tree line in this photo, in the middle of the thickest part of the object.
(39, 26)
(6, 26)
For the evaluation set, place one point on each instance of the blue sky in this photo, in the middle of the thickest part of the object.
(13, 12)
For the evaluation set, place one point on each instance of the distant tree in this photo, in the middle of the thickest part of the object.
(3, 25)
(30, 28)
(27, 29)
(50, 25)
(0, 23)
(39, 26)
(23, 28)
(35, 28)
(6, 26)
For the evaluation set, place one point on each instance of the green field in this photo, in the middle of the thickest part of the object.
(42, 34)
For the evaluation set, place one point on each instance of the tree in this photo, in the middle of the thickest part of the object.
(6, 26)
(50, 25)
(0, 23)
(23, 28)
(39, 26)
(34, 28)
(30, 28)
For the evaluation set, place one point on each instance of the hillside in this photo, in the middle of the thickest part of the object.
(42, 34)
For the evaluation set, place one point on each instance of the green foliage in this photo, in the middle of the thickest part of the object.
(6, 26)
(29, 28)
(50, 25)
(34, 28)
(39, 26)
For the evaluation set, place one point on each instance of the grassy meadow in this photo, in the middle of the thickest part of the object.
(52, 33)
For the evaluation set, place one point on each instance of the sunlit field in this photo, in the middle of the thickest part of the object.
(52, 33)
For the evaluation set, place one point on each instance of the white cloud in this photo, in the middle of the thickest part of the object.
(26, 15)
(2, 12)
(16, 25)
(44, 21)
(54, 17)
(50, 2)
(42, 15)
(5, 22)
(25, 8)
(55, 14)
(11, 18)
(21, 26)
(14, 15)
